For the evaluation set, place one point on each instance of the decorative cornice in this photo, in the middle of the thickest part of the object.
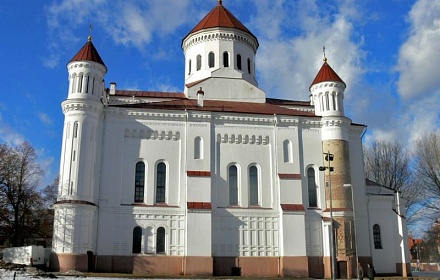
(219, 34)
(243, 139)
(152, 135)
(70, 105)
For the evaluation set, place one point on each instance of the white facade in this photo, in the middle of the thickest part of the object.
(164, 183)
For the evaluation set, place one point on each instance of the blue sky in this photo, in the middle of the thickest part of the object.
(387, 52)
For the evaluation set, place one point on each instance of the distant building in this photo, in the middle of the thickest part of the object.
(218, 179)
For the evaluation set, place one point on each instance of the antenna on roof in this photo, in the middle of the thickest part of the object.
(323, 50)
(90, 35)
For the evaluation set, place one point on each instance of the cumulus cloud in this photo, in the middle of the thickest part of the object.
(419, 55)
(418, 84)
(287, 65)
(130, 23)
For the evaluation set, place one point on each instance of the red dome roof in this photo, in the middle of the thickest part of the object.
(326, 74)
(220, 17)
(89, 53)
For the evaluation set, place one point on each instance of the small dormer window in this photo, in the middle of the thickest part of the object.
(225, 59)
(238, 62)
(211, 60)
(199, 62)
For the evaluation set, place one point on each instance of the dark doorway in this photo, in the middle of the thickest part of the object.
(90, 261)
(342, 270)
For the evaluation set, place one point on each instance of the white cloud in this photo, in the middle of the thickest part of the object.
(8, 135)
(287, 66)
(130, 23)
(45, 118)
(419, 55)
(418, 83)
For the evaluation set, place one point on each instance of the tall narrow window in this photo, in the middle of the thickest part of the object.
(238, 62)
(137, 240)
(199, 62)
(211, 60)
(312, 190)
(80, 83)
(253, 186)
(75, 130)
(93, 86)
(139, 182)
(249, 65)
(233, 185)
(376, 237)
(189, 67)
(160, 241)
(87, 84)
(160, 182)
(287, 151)
(225, 59)
(198, 148)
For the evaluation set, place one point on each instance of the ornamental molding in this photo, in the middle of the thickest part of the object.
(74, 105)
(152, 134)
(243, 119)
(327, 85)
(146, 115)
(78, 66)
(204, 36)
(243, 139)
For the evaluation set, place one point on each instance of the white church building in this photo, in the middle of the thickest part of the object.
(219, 179)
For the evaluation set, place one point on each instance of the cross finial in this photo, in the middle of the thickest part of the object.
(220, 2)
(323, 50)
(90, 35)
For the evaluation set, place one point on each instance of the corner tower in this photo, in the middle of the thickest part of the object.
(327, 95)
(76, 209)
(217, 49)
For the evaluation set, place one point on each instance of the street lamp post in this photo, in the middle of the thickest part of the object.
(354, 225)
(329, 158)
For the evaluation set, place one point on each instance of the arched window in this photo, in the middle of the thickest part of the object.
(198, 148)
(189, 67)
(253, 186)
(161, 172)
(238, 62)
(160, 240)
(199, 62)
(233, 185)
(312, 189)
(211, 60)
(139, 182)
(376, 237)
(137, 240)
(225, 59)
(249, 65)
(287, 151)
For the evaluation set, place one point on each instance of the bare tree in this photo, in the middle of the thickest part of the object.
(428, 171)
(389, 164)
(19, 200)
